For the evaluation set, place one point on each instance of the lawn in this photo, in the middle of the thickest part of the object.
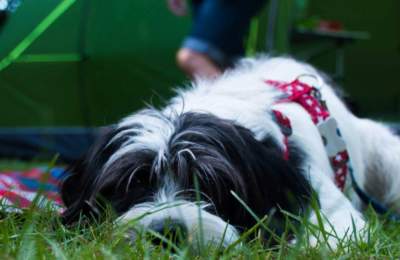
(37, 233)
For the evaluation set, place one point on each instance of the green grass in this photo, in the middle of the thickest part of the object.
(38, 234)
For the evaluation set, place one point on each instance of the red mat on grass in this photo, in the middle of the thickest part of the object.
(20, 189)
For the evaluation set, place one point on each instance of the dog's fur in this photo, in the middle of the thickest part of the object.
(219, 137)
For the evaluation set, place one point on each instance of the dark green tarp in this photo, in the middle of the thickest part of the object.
(97, 62)
(104, 58)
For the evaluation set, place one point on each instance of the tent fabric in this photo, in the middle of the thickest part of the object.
(101, 59)
(95, 63)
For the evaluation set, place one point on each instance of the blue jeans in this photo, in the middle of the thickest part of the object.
(219, 28)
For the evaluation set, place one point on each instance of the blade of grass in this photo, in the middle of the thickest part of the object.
(58, 252)
(255, 216)
(200, 220)
(246, 234)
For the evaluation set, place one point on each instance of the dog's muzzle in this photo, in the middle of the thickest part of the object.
(179, 222)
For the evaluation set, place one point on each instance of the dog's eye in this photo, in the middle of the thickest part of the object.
(140, 180)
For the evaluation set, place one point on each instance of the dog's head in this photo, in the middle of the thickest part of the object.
(186, 172)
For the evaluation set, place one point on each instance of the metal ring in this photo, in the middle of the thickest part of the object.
(318, 79)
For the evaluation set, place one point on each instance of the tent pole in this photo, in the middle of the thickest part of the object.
(36, 33)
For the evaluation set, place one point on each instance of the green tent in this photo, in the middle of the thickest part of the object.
(86, 62)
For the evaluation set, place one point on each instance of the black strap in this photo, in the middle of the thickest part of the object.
(368, 200)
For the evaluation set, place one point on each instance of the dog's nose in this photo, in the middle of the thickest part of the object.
(173, 230)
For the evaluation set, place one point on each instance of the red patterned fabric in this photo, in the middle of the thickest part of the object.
(19, 189)
(310, 99)
(302, 94)
(340, 164)
(286, 129)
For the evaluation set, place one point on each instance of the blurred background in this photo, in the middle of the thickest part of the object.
(67, 66)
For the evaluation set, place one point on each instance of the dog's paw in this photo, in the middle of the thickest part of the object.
(337, 231)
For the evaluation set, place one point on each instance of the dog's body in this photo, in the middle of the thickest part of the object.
(222, 134)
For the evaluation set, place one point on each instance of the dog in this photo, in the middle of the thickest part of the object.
(219, 156)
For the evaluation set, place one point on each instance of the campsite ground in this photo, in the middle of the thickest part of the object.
(38, 234)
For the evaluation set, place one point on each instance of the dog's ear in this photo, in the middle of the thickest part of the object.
(76, 188)
(72, 182)
(72, 191)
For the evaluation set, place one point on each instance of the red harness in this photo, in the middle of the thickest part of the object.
(310, 99)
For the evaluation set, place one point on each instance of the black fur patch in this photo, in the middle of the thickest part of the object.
(229, 158)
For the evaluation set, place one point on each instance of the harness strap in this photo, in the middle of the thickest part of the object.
(375, 204)
(286, 129)
(305, 95)
(310, 99)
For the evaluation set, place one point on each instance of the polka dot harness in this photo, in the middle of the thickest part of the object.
(309, 97)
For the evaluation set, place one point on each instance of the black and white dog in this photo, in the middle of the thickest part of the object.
(223, 133)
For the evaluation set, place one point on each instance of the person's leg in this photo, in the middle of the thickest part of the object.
(217, 36)
(197, 64)
(192, 57)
